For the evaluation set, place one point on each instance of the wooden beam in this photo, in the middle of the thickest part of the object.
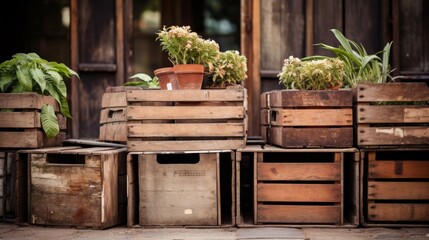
(75, 83)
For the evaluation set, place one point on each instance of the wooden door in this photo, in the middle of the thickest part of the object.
(98, 43)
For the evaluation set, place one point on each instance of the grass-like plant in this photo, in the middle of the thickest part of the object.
(30, 73)
(359, 66)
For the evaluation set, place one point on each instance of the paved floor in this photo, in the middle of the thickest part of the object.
(12, 231)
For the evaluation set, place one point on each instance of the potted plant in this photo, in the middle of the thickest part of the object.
(189, 53)
(229, 68)
(30, 73)
(143, 80)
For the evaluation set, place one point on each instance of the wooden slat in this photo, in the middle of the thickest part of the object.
(412, 135)
(398, 212)
(392, 114)
(26, 100)
(398, 169)
(181, 112)
(185, 95)
(392, 92)
(288, 137)
(398, 190)
(311, 117)
(283, 192)
(186, 130)
(29, 139)
(298, 214)
(137, 146)
(265, 117)
(20, 120)
(115, 132)
(86, 151)
(114, 99)
(299, 171)
(111, 115)
(314, 98)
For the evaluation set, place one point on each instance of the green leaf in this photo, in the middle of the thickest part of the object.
(55, 76)
(137, 84)
(49, 121)
(39, 77)
(5, 81)
(142, 76)
(24, 78)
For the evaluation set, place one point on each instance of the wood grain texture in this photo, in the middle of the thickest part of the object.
(298, 214)
(179, 145)
(299, 171)
(392, 114)
(311, 117)
(311, 98)
(182, 112)
(187, 130)
(31, 138)
(398, 190)
(398, 212)
(402, 92)
(285, 192)
(398, 169)
(177, 193)
(396, 135)
(186, 95)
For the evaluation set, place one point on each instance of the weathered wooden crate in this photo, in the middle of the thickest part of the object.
(181, 188)
(74, 186)
(189, 120)
(392, 114)
(395, 187)
(265, 116)
(21, 126)
(297, 187)
(312, 119)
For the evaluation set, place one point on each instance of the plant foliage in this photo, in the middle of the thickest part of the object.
(143, 80)
(230, 67)
(31, 73)
(359, 66)
(313, 74)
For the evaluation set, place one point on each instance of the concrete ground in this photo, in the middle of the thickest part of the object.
(12, 231)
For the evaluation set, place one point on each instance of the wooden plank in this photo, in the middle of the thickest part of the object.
(161, 185)
(284, 192)
(26, 100)
(402, 92)
(114, 99)
(311, 117)
(29, 139)
(111, 115)
(132, 183)
(299, 171)
(399, 135)
(187, 130)
(20, 120)
(398, 169)
(137, 146)
(298, 214)
(398, 190)
(265, 117)
(392, 114)
(311, 98)
(398, 212)
(185, 95)
(115, 132)
(287, 137)
(181, 112)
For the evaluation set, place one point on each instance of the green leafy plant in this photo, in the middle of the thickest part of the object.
(229, 68)
(184, 46)
(30, 73)
(143, 80)
(359, 66)
(312, 74)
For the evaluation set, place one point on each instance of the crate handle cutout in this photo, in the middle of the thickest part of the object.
(178, 158)
(113, 113)
(274, 115)
(65, 159)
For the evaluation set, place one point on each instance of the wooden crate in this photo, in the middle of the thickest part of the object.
(393, 114)
(265, 116)
(181, 188)
(312, 119)
(297, 187)
(21, 127)
(75, 186)
(194, 120)
(395, 187)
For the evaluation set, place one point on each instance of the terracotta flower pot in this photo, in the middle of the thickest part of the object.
(189, 76)
(167, 78)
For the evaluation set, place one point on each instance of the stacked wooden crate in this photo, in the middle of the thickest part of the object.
(75, 186)
(181, 154)
(308, 176)
(21, 128)
(393, 136)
